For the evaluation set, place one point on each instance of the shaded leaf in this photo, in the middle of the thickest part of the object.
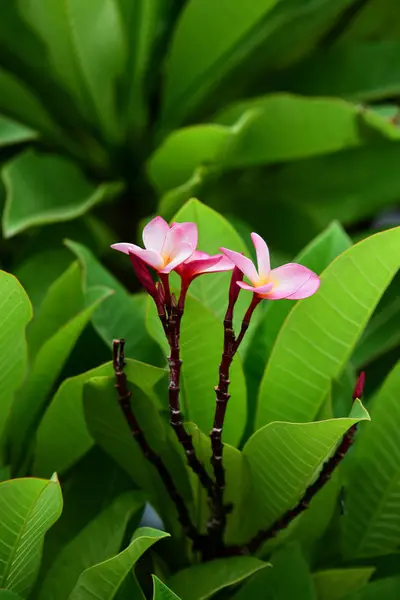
(45, 188)
(336, 584)
(161, 591)
(12, 132)
(62, 436)
(15, 313)
(100, 540)
(50, 359)
(320, 333)
(388, 588)
(120, 316)
(28, 508)
(103, 580)
(202, 581)
(372, 519)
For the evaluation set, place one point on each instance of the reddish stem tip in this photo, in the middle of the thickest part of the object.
(359, 387)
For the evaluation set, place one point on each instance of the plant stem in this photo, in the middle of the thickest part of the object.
(231, 346)
(124, 396)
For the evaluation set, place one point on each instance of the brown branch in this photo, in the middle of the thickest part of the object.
(326, 473)
(176, 417)
(124, 396)
(231, 346)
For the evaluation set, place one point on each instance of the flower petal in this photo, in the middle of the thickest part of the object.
(260, 290)
(264, 265)
(125, 247)
(307, 289)
(181, 232)
(154, 234)
(243, 263)
(221, 264)
(289, 281)
(180, 253)
(150, 257)
(198, 255)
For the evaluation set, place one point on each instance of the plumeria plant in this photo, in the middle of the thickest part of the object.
(242, 466)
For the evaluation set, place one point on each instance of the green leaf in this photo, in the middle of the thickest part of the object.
(142, 21)
(316, 256)
(39, 271)
(202, 581)
(28, 508)
(338, 71)
(320, 333)
(120, 316)
(54, 312)
(372, 519)
(15, 313)
(18, 102)
(161, 591)
(109, 429)
(335, 584)
(103, 580)
(86, 55)
(7, 595)
(274, 584)
(45, 188)
(49, 361)
(388, 588)
(201, 348)
(284, 459)
(373, 21)
(12, 132)
(62, 436)
(100, 540)
(214, 231)
(382, 333)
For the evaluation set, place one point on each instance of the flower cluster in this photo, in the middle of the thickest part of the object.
(174, 248)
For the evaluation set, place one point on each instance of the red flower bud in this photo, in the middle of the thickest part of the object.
(234, 290)
(144, 276)
(359, 387)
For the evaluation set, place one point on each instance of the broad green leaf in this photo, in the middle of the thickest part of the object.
(103, 580)
(320, 333)
(100, 540)
(109, 429)
(215, 231)
(120, 316)
(54, 312)
(28, 508)
(86, 55)
(275, 584)
(285, 457)
(382, 333)
(197, 61)
(338, 71)
(374, 20)
(316, 256)
(285, 127)
(201, 348)
(39, 271)
(7, 595)
(336, 584)
(49, 361)
(161, 591)
(45, 188)
(15, 313)
(18, 102)
(388, 588)
(142, 21)
(62, 436)
(202, 581)
(12, 132)
(372, 519)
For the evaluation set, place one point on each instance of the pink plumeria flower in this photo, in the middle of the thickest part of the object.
(291, 281)
(201, 262)
(165, 247)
